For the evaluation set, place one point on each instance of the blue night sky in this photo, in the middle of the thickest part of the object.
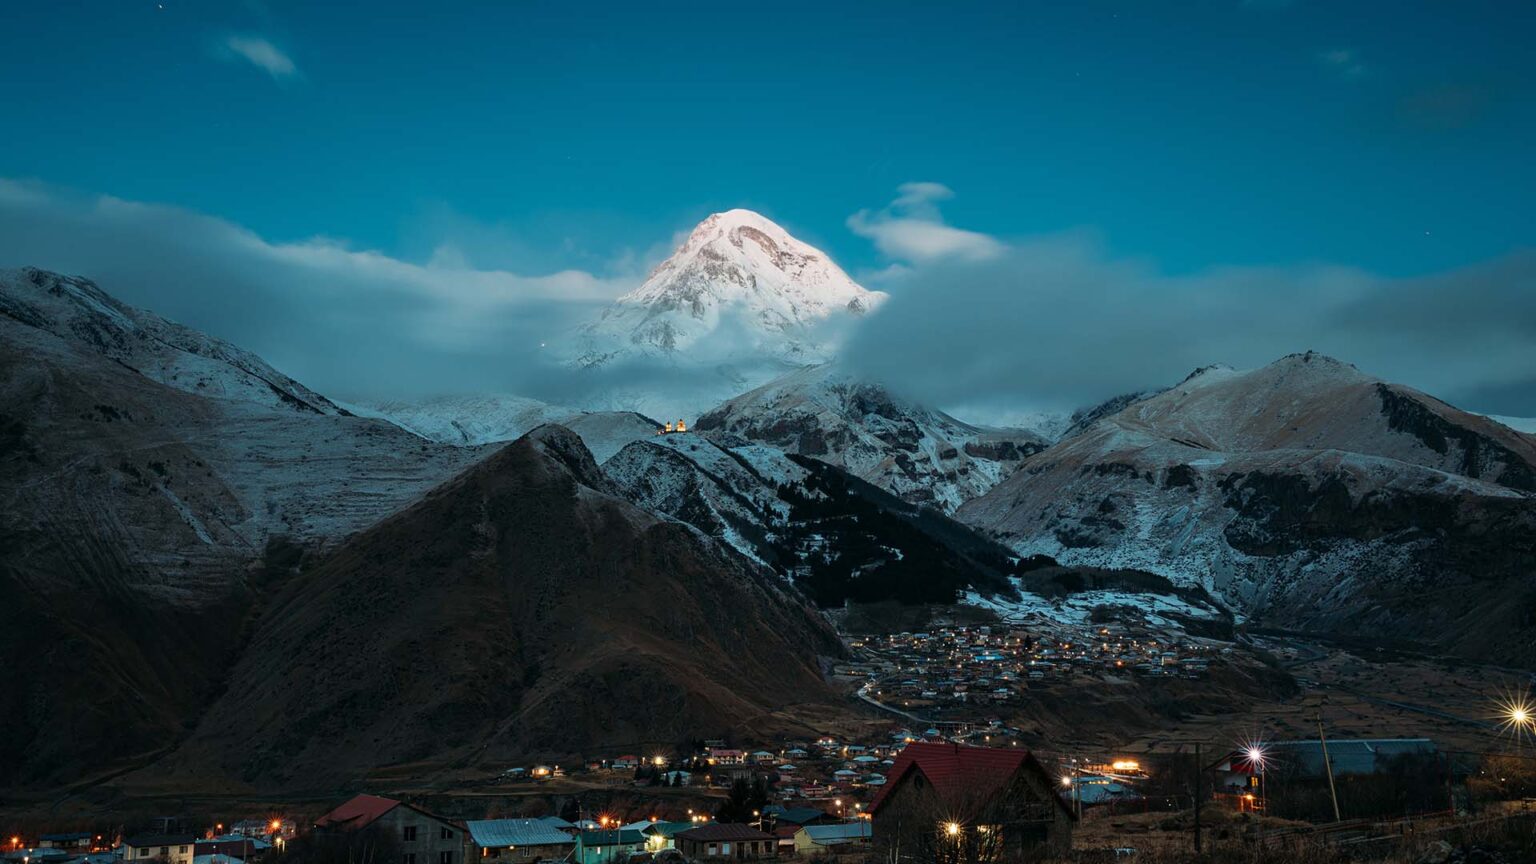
(1392, 137)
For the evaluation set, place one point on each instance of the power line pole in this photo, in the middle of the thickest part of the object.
(1198, 770)
(1322, 739)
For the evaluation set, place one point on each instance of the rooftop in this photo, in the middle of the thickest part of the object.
(724, 831)
(493, 833)
(359, 812)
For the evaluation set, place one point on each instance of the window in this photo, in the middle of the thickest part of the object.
(181, 850)
(144, 853)
(410, 833)
(445, 833)
(445, 858)
(410, 858)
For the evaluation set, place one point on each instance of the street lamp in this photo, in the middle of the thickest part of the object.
(1258, 759)
(1518, 716)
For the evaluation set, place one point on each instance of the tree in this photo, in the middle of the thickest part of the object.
(745, 802)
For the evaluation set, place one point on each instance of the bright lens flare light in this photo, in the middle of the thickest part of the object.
(1255, 755)
(952, 828)
(1517, 716)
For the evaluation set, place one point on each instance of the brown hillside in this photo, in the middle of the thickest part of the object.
(520, 610)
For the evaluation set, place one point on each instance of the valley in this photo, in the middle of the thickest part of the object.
(266, 595)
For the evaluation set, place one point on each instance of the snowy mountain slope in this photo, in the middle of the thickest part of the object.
(607, 432)
(739, 303)
(468, 420)
(838, 537)
(699, 482)
(914, 452)
(174, 355)
(1305, 493)
(738, 275)
(1524, 425)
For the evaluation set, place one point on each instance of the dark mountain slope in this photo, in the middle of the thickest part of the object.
(519, 610)
(143, 512)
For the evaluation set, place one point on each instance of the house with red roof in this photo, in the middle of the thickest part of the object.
(973, 803)
(423, 837)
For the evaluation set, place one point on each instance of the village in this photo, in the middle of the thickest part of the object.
(957, 793)
(947, 777)
(958, 671)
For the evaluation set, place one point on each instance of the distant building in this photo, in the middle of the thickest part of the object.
(1000, 799)
(1090, 789)
(71, 840)
(518, 840)
(231, 847)
(726, 840)
(798, 816)
(175, 848)
(724, 756)
(1304, 759)
(424, 838)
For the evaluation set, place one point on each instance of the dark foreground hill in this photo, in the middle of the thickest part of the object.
(520, 610)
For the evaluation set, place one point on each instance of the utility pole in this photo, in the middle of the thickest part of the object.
(1333, 792)
(1198, 771)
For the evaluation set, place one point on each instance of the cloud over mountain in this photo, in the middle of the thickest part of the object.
(1058, 321)
(352, 322)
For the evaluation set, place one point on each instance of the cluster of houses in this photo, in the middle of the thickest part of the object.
(935, 799)
(961, 666)
(241, 842)
(933, 793)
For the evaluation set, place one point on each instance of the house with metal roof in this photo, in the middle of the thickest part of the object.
(818, 839)
(518, 840)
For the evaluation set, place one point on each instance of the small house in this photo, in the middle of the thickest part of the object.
(175, 848)
(424, 837)
(828, 839)
(727, 840)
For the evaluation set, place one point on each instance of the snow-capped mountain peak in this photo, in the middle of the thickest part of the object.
(738, 288)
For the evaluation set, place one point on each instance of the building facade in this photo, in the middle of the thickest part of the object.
(725, 840)
(952, 802)
(174, 848)
(424, 838)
